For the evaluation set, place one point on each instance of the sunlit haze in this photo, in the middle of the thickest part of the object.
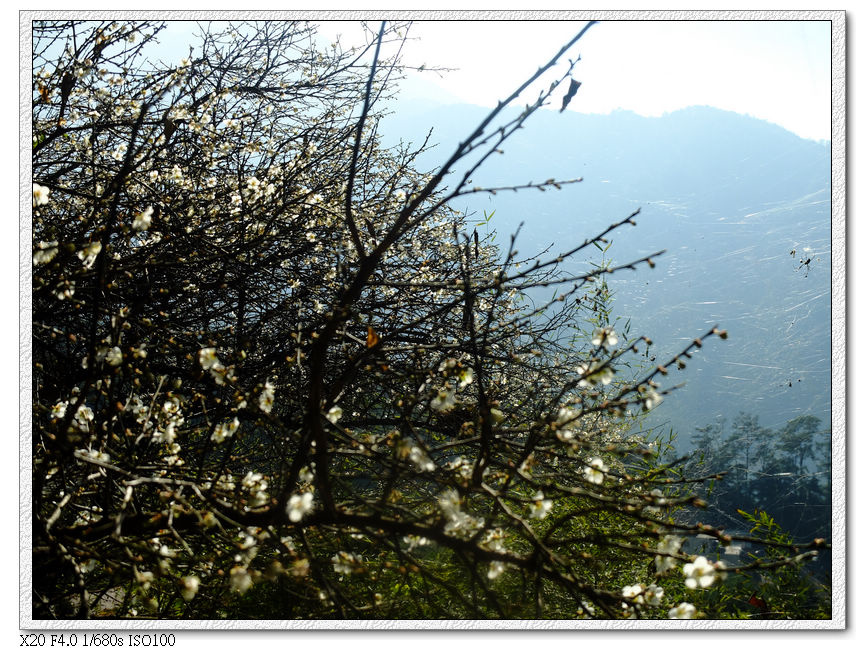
(778, 71)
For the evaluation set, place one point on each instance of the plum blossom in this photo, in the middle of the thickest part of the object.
(669, 544)
(89, 253)
(94, 454)
(265, 399)
(566, 417)
(241, 581)
(595, 471)
(540, 506)
(347, 563)
(144, 578)
(633, 592)
(305, 475)
(142, 219)
(300, 568)
(171, 405)
(209, 361)
(595, 373)
(462, 467)
(449, 502)
(45, 252)
(114, 356)
(257, 485)
(497, 567)
(604, 337)
(298, 506)
(65, 289)
(414, 541)
(416, 455)
(457, 520)
(40, 194)
(653, 595)
(683, 611)
(699, 574)
(207, 358)
(58, 411)
(224, 430)
(168, 433)
(444, 400)
(651, 398)
(83, 416)
(189, 587)
(334, 413)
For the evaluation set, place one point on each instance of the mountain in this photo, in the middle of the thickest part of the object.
(742, 208)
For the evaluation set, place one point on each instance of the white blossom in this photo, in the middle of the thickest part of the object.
(241, 581)
(305, 475)
(208, 359)
(345, 562)
(89, 253)
(444, 400)
(651, 398)
(83, 416)
(265, 399)
(449, 502)
(683, 611)
(416, 455)
(299, 505)
(595, 472)
(144, 578)
(114, 356)
(224, 430)
(142, 219)
(654, 594)
(94, 454)
(40, 194)
(189, 587)
(605, 337)
(497, 567)
(668, 544)
(65, 290)
(540, 506)
(334, 414)
(45, 252)
(595, 373)
(633, 592)
(699, 574)
(414, 541)
(58, 411)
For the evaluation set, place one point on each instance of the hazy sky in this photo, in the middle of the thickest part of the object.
(779, 71)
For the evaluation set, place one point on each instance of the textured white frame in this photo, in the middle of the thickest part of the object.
(838, 331)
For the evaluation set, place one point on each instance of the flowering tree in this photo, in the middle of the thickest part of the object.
(275, 374)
